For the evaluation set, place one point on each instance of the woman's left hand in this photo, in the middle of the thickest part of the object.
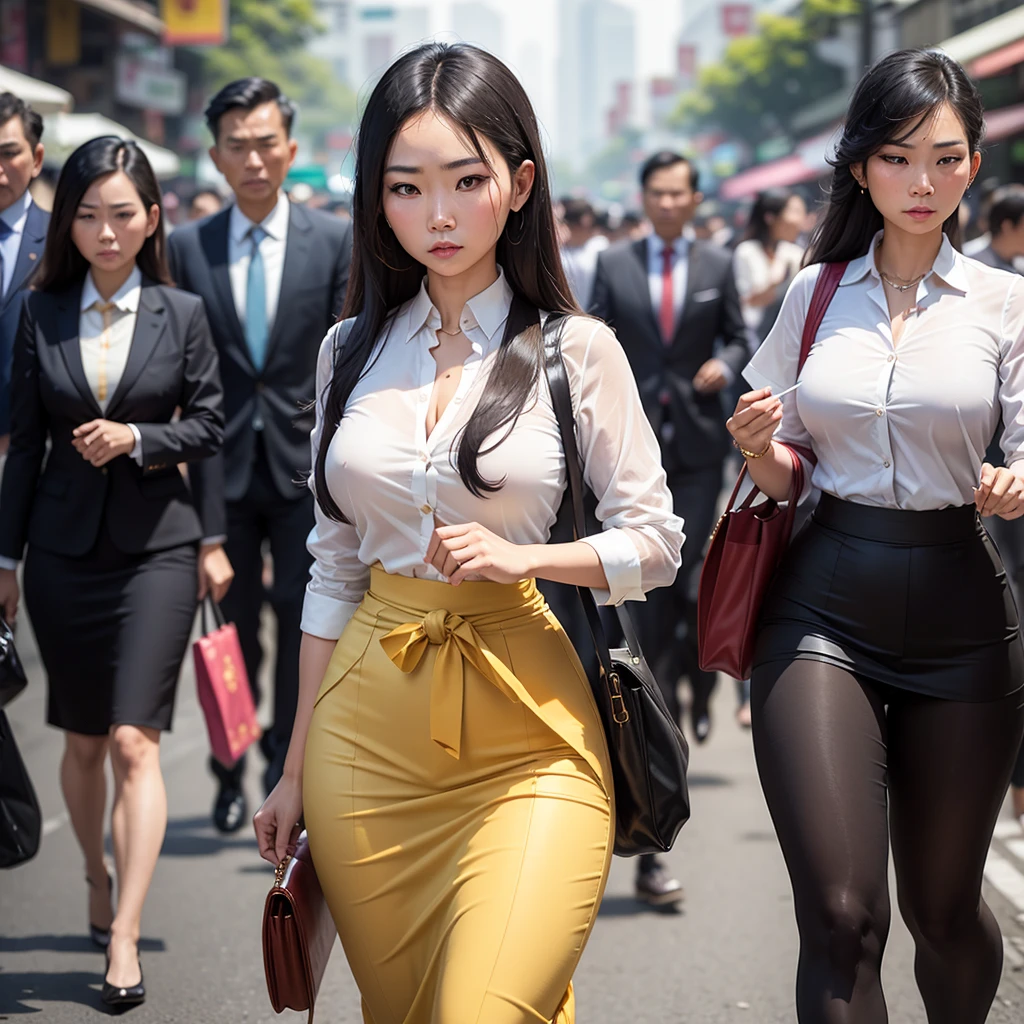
(1000, 493)
(470, 549)
(215, 572)
(99, 441)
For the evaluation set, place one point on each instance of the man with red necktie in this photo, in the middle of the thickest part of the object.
(673, 303)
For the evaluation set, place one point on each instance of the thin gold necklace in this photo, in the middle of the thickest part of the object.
(894, 284)
(451, 334)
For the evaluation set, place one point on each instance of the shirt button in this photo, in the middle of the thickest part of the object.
(891, 359)
(426, 509)
(879, 412)
(886, 463)
(423, 456)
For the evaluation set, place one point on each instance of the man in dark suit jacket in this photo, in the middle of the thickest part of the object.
(273, 276)
(674, 306)
(22, 231)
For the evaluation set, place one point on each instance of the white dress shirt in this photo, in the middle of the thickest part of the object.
(756, 272)
(272, 250)
(391, 480)
(580, 264)
(14, 217)
(902, 425)
(680, 272)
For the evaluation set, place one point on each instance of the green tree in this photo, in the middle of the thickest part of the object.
(764, 79)
(269, 38)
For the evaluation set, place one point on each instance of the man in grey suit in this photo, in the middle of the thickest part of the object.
(673, 304)
(273, 276)
(22, 231)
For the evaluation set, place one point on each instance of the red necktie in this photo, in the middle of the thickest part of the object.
(667, 313)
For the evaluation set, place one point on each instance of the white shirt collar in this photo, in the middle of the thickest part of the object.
(680, 247)
(275, 224)
(487, 309)
(126, 298)
(948, 265)
(15, 214)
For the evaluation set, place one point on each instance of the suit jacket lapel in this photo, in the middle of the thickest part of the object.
(213, 237)
(30, 251)
(150, 322)
(640, 284)
(68, 312)
(296, 254)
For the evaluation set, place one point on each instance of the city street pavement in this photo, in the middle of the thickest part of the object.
(729, 957)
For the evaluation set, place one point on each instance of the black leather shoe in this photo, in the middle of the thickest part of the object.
(655, 888)
(123, 998)
(230, 811)
(700, 716)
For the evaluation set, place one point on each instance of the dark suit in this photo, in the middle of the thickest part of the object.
(110, 575)
(30, 255)
(269, 418)
(690, 424)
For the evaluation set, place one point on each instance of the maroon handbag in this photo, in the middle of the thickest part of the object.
(298, 933)
(749, 541)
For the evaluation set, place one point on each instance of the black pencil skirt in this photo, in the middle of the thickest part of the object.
(112, 630)
(913, 600)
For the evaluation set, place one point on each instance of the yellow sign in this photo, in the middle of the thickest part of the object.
(63, 34)
(195, 22)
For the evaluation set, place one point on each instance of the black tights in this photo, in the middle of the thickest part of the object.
(830, 749)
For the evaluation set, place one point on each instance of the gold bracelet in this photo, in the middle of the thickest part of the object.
(752, 455)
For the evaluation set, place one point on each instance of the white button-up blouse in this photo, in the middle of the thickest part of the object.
(392, 481)
(902, 425)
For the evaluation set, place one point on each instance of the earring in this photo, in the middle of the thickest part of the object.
(863, 191)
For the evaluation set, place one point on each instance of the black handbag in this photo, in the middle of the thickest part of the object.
(21, 821)
(12, 673)
(648, 752)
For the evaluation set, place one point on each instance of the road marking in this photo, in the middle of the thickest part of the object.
(1016, 847)
(1012, 954)
(1006, 830)
(1002, 875)
(177, 752)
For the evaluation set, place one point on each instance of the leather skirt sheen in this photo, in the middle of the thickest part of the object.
(457, 798)
(918, 601)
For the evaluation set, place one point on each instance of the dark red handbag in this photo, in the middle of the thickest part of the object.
(749, 541)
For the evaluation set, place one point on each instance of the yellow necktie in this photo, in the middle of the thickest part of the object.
(107, 309)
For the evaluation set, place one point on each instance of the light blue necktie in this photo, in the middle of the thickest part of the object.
(256, 301)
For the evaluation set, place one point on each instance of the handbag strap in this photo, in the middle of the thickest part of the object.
(561, 401)
(218, 615)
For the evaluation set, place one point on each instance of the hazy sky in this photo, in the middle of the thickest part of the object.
(531, 25)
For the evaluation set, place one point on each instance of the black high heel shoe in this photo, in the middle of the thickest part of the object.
(100, 936)
(123, 997)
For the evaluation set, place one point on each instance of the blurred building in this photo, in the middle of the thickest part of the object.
(335, 45)
(479, 24)
(596, 75)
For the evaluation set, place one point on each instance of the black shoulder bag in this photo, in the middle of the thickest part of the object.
(648, 752)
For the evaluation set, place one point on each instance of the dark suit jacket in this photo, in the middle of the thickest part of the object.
(313, 283)
(711, 311)
(172, 364)
(30, 256)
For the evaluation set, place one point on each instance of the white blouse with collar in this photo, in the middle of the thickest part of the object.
(392, 481)
(902, 425)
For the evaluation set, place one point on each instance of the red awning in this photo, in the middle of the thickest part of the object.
(787, 170)
(998, 60)
(1001, 124)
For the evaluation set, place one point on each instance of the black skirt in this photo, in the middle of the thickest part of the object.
(112, 630)
(914, 600)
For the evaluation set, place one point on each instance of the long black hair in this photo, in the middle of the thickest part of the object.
(63, 265)
(769, 203)
(890, 102)
(481, 98)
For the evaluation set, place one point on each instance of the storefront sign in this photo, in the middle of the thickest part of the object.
(195, 22)
(13, 35)
(139, 83)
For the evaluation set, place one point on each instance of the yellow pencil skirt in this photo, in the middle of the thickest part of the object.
(457, 795)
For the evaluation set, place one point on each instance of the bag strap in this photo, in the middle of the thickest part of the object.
(825, 289)
(561, 400)
(218, 615)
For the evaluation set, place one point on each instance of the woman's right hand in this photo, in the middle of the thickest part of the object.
(9, 594)
(755, 419)
(277, 821)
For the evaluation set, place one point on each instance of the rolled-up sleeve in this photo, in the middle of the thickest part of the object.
(1011, 375)
(641, 538)
(338, 579)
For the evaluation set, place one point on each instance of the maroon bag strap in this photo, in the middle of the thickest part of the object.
(825, 289)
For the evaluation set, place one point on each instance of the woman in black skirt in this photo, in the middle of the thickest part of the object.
(106, 353)
(887, 686)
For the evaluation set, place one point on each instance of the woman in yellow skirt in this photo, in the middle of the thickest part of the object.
(447, 754)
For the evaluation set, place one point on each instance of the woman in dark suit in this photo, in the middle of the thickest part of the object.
(107, 352)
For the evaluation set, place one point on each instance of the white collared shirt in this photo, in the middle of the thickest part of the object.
(905, 425)
(580, 265)
(756, 271)
(391, 480)
(14, 217)
(122, 330)
(272, 249)
(680, 272)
